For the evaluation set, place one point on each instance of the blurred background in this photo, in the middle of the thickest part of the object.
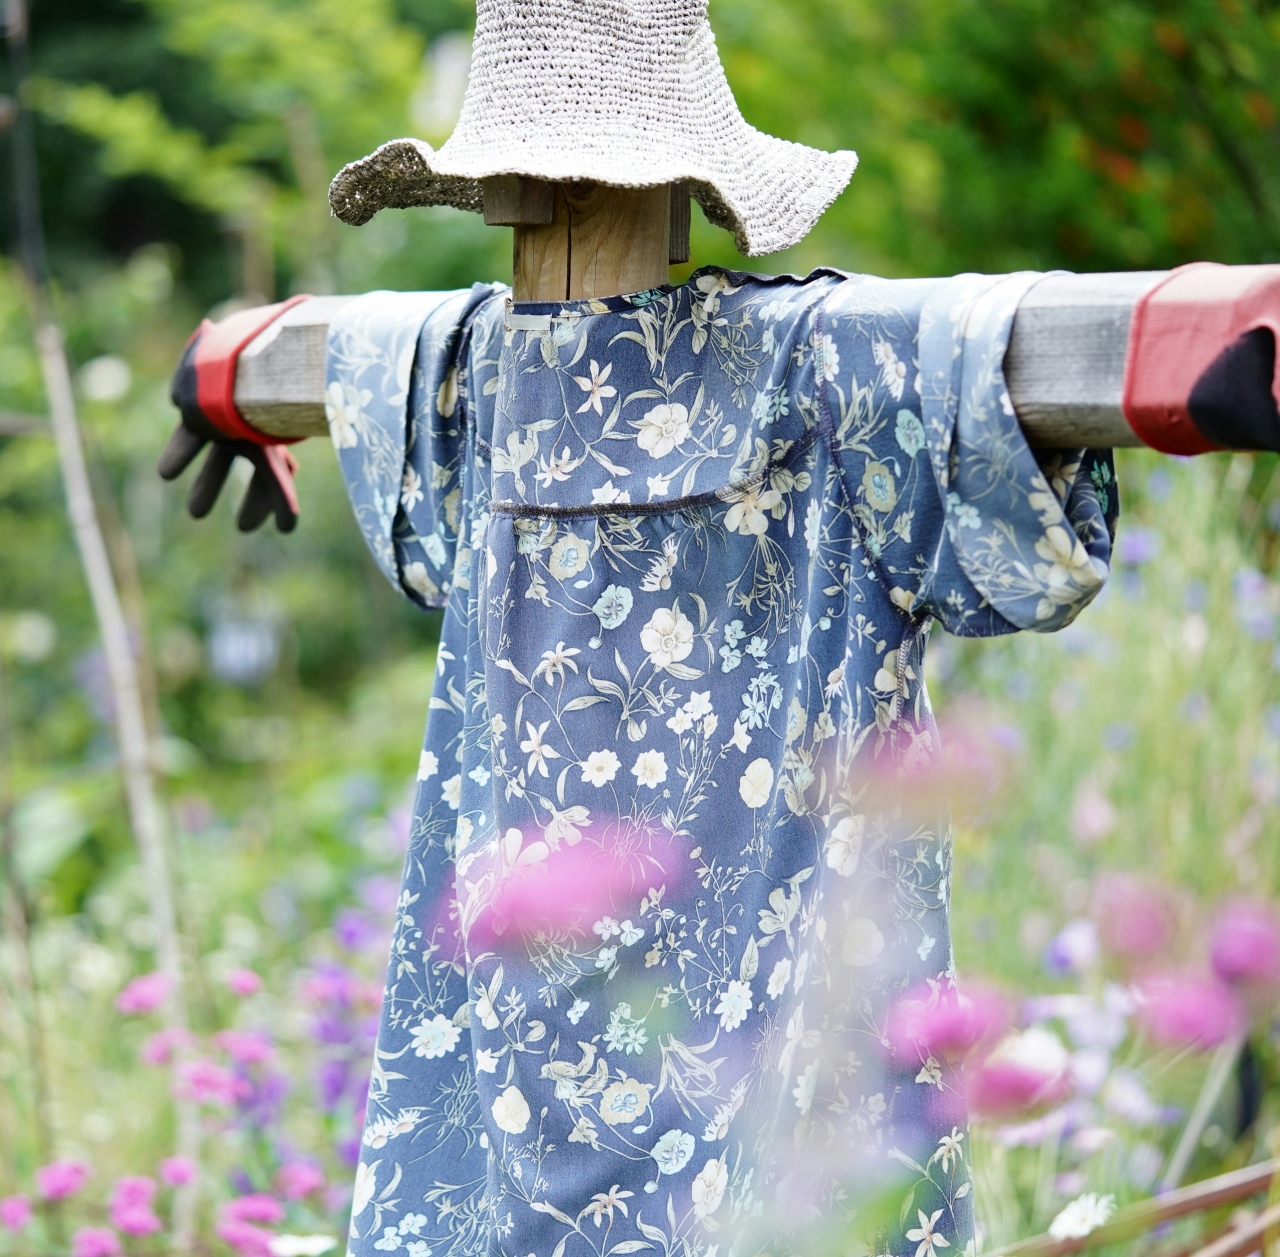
(185, 150)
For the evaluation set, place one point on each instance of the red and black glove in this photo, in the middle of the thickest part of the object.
(1200, 373)
(203, 390)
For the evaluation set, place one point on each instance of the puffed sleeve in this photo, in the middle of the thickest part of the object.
(960, 517)
(394, 385)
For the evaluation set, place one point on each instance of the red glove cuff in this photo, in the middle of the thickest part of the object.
(1178, 330)
(217, 351)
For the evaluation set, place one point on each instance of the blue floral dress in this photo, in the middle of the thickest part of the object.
(662, 891)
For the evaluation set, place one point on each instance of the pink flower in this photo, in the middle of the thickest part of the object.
(144, 994)
(246, 1239)
(164, 1045)
(95, 1241)
(131, 1210)
(947, 1024)
(296, 1179)
(1186, 1010)
(60, 1179)
(244, 982)
(207, 1082)
(1134, 915)
(1027, 1069)
(247, 1047)
(1246, 943)
(15, 1212)
(255, 1208)
(177, 1171)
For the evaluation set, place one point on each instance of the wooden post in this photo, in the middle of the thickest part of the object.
(588, 239)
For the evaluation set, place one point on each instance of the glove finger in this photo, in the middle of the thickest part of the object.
(257, 502)
(183, 446)
(204, 493)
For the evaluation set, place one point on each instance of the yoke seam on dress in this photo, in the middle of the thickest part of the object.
(725, 494)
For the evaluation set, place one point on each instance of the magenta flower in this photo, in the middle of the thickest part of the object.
(245, 1047)
(1246, 943)
(131, 1210)
(244, 982)
(95, 1241)
(1134, 915)
(60, 1179)
(946, 1024)
(177, 1171)
(15, 1213)
(207, 1082)
(1186, 1010)
(296, 1179)
(1026, 1070)
(247, 1240)
(144, 994)
(164, 1045)
(258, 1207)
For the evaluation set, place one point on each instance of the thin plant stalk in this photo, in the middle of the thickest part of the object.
(147, 817)
(1215, 1078)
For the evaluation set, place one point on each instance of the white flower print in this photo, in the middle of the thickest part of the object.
(428, 765)
(487, 1061)
(734, 1005)
(826, 357)
(566, 826)
(419, 580)
(863, 942)
(624, 1102)
(390, 1240)
(607, 928)
(613, 606)
(672, 1151)
(708, 1187)
(625, 1033)
(812, 522)
(844, 845)
(434, 1038)
(568, 557)
(537, 750)
(579, 1007)
(600, 767)
(410, 489)
(608, 494)
(924, 1234)
(663, 429)
(806, 1086)
(779, 978)
(668, 636)
(741, 738)
(595, 388)
(756, 784)
(511, 1111)
(747, 514)
(893, 372)
(366, 1187)
(554, 662)
(344, 409)
(451, 791)
(910, 433)
(650, 769)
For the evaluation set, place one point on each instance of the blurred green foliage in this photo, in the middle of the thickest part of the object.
(185, 149)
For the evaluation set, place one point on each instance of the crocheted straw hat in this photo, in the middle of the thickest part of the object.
(623, 92)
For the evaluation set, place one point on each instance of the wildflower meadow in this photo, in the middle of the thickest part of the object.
(1115, 787)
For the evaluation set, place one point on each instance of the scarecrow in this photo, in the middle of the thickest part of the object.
(676, 866)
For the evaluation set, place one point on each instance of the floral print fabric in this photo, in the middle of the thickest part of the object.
(665, 883)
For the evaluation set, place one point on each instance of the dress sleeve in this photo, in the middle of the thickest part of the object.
(959, 516)
(392, 399)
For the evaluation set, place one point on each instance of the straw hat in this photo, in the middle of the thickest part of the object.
(623, 92)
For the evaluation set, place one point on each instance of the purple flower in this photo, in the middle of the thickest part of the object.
(1073, 950)
(245, 1047)
(144, 994)
(1186, 1010)
(15, 1213)
(95, 1241)
(331, 1083)
(947, 1024)
(1134, 916)
(380, 895)
(164, 1045)
(1245, 947)
(247, 1240)
(60, 1179)
(257, 1207)
(207, 1082)
(1137, 545)
(355, 930)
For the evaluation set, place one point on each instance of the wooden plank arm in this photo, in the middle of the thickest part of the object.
(1065, 363)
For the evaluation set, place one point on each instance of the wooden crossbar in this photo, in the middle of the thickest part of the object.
(1137, 1219)
(1065, 364)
